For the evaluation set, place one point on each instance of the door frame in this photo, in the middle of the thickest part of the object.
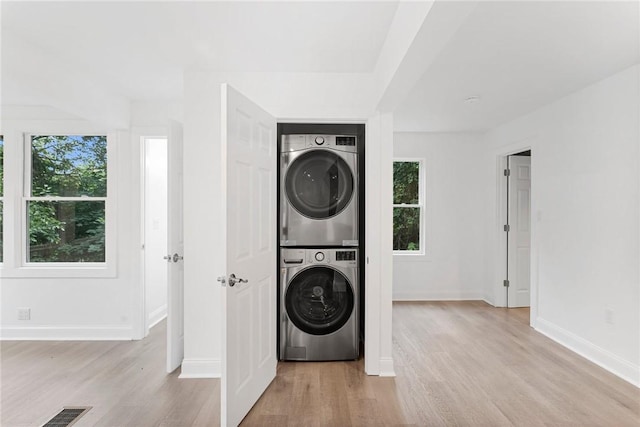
(138, 137)
(378, 210)
(499, 292)
(143, 211)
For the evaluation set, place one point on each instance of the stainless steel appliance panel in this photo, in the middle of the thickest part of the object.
(319, 304)
(318, 191)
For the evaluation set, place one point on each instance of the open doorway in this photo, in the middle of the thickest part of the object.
(155, 201)
(518, 229)
(162, 237)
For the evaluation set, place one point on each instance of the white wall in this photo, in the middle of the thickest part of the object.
(585, 212)
(155, 229)
(69, 305)
(453, 267)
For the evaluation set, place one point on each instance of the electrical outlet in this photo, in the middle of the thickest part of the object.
(608, 316)
(24, 314)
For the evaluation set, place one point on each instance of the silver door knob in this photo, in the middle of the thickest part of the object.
(222, 280)
(177, 257)
(167, 257)
(233, 280)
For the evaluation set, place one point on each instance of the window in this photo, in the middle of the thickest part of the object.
(408, 207)
(1, 194)
(65, 199)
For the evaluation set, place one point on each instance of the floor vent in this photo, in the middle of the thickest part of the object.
(67, 417)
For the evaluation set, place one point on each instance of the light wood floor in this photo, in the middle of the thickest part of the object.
(466, 363)
(457, 363)
(124, 381)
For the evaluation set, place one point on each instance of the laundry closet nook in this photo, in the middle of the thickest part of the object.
(321, 241)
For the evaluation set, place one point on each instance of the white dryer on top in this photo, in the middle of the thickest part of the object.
(318, 190)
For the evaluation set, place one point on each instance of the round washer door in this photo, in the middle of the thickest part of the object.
(319, 184)
(319, 300)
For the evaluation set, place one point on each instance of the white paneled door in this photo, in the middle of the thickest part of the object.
(175, 243)
(519, 239)
(249, 292)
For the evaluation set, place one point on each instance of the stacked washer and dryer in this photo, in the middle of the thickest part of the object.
(319, 290)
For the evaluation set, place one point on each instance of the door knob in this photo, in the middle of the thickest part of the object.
(177, 257)
(167, 257)
(233, 280)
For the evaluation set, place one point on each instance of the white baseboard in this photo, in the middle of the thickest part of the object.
(488, 300)
(601, 357)
(66, 333)
(157, 316)
(439, 296)
(386, 367)
(201, 368)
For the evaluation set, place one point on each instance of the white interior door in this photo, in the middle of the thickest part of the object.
(248, 306)
(175, 243)
(519, 240)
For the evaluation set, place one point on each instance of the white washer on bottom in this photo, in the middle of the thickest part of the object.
(319, 304)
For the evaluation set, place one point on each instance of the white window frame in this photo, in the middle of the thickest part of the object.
(18, 266)
(4, 244)
(421, 205)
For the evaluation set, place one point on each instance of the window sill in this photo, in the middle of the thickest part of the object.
(60, 271)
(411, 257)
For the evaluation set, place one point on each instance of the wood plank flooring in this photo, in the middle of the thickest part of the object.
(457, 363)
(466, 363)
(124, 381)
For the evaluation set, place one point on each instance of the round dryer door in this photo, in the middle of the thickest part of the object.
(319, 184)
(319, 300)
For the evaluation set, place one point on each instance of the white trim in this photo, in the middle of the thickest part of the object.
(157, 316)
(63, 199)
(598, 355)
(372, 247)
(201, 368)
(66, 333)
(439, 296)
(355, 121)
(140, 298)
(386, 367)
(17, 267)
(385, 192)
(499, 291)
(12, 192)
(139, 136)
(84, 270)
(2, 229)
(487, 300)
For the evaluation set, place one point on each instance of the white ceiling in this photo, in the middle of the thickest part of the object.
(142, 48)
(518, 56)
(515, 55)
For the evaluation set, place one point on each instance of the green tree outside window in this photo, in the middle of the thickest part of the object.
(407, 206)
(66, 206)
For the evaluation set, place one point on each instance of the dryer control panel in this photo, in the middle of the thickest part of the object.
(291, 143)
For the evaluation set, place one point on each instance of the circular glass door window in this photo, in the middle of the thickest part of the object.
(319, 184)
(319, 300)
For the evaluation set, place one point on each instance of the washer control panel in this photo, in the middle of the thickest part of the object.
(294, 258)
(319, 256)
(349, 255)
(347, 143)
